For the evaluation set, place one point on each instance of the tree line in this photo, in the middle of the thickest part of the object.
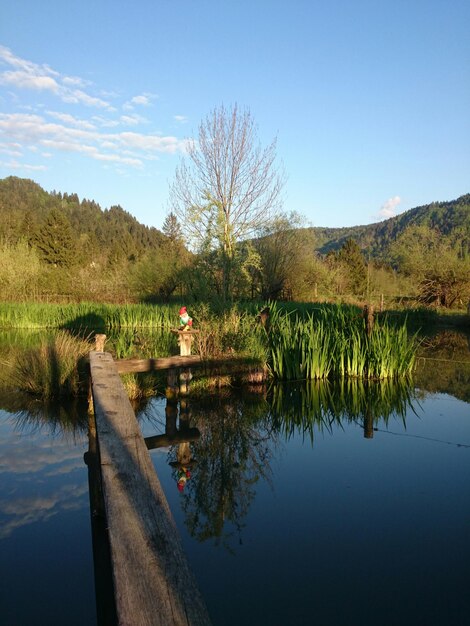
(226, 237)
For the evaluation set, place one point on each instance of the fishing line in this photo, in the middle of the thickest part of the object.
(450, 443)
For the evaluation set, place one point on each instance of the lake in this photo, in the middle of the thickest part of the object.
(302, 505)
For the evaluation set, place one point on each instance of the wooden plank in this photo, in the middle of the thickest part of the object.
(236, 364)
(163, 441)
(152, 580)
(127, 366)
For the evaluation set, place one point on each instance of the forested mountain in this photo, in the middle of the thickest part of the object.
(54, 245)
(451, 219)
(24, 207)
(26, 210)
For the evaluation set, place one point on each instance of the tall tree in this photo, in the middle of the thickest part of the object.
(352, 259)
(172, 228)
(280, 248)
(55, 240)
(227, 187)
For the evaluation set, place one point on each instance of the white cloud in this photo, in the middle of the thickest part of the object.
(132, 120)
(25, 80)
(389, 208)
(12, 149)
(29, 75)
(182, 119)
(127, 148)
(102, 121)
(152, 143)
(16, 165)
(144, 99)
(70, 119)
(75, 81)
(47, 130)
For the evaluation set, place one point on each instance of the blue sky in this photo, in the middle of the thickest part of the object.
(369, 100)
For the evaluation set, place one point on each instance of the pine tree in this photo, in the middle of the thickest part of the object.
(55, 240)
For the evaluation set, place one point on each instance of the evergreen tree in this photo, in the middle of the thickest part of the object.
(172, 228)
(55, 240)
(350, 256)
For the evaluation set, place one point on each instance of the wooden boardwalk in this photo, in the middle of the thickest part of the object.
(153, 584)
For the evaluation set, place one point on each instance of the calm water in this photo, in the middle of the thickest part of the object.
(348, 513)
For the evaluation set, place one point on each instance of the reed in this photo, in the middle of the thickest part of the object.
(54, 369)
(333, 343)
(92, 316)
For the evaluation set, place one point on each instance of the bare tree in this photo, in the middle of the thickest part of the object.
(227, 187)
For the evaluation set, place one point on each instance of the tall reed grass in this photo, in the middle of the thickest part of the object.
(54, 369)
(332, 342)
(86, 315)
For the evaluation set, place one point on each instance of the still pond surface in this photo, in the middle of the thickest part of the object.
(306, 506)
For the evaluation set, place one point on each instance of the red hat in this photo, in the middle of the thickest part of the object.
(182, 310)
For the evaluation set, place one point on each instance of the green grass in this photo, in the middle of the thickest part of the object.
(307, 342)
(86, 315)
(332, 342)
(54, 369)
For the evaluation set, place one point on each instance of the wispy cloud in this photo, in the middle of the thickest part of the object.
(132, 120)
(19, 165)
(181, 119)
(389, 208)
(29, 75)
(75, 136)
(70, 119)
(142, 100)
(105, 135)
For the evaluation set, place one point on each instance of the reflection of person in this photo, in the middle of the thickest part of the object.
(185, 321)
(183, 476)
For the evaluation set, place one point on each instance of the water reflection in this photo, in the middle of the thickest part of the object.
(217, 474)
(41, 469)
(319, 404)
(225, 463)
(448, 354)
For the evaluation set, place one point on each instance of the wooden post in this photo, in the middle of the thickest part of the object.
(100, 340)
(185, 378)
(368, 425)
(185, 340)
(381, 303)
(172, 384)
(368, 314)
(104, 592)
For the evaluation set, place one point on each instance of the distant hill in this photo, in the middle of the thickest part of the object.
(449, 218)
(24, 206)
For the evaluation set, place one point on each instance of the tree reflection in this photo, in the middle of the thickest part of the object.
(239, 436)
(60, 417)
(232, 454)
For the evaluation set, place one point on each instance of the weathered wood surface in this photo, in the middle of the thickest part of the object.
(127, 366)
(163, 441)
(236, 364)
(152, 580)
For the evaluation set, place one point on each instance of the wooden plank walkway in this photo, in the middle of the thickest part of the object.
(153, 583)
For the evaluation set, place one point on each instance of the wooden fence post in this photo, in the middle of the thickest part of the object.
(368, 314)
(100, 340)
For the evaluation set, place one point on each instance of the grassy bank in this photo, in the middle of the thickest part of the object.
(304, 342)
